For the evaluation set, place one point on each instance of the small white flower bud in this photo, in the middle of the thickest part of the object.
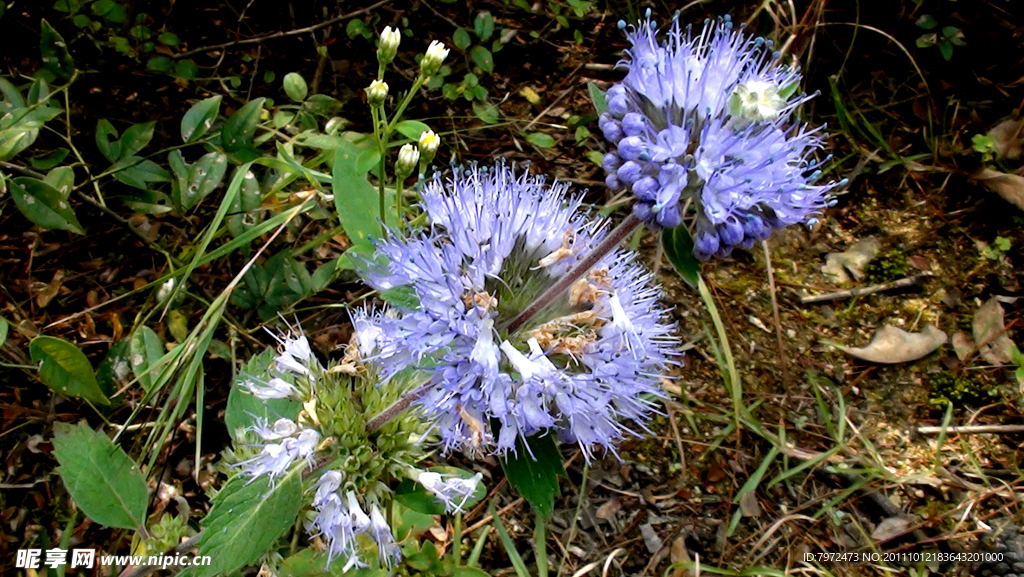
(408, 157)
(390, 38)
(377, 92)
(428, 143)
(433, 59)
(165, 290)
(756, 101)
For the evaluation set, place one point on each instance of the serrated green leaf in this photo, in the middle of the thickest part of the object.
(483, 58)
(411, 129)
(136, 137)
(483, 25)
(199, 119)
(65, 369)
(44, 205)
(243, 409)
(104, 482)
(533, 471)
(540, 140)
(54, 52)
(598, 97)
(107, 140)
(239, 130)
(145, 350)
(461, 39)
(679, 251)
(246, 520)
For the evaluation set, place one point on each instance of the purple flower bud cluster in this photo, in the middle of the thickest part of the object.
(701, 120)
(497, 240)
(339, 521)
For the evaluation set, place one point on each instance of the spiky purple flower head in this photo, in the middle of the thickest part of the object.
(701, 120)
(497, 240)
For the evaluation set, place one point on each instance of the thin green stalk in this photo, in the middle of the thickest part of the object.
(478, 548)
(398, 200)
(457, 538)
(729, 372)
(540, 536)
(576, 515)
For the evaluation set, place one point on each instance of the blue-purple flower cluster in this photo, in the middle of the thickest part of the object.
(498, 238)
(701, 121)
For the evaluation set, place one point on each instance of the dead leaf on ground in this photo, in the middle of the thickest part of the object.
(1008, 137)
(990, 333)
(608, 509)
(749, 505)
(679, 554)
(962, 345)
(1008, 186)
(891, 527)
(852, 260)
(894, 345)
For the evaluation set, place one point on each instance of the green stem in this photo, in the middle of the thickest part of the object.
(540, 536)
(405, 102)
(729, 372)
(399, 182)
(457, 537)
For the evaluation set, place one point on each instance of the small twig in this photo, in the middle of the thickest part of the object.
(901, 283)
(775, 313)
(283, 34)
(971, 429)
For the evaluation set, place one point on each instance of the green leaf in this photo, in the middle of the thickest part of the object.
(12, 96)
(54, 52)
(185, 70)
(159, 64)
(468, 572)
(540, 140)
(598, 97)
(65, 369)
(51, 160)
(138, 172)
(243, 209)
(114, 369)
(411, 129)
(110, 10)
(482, 57)
(107, 140)
(44, 205)
(199, 119)
(483, 25)
(145, 350)
(536, 476)
(243, 409)
(368, 160)
(486, 112)
(104, 482)
(946, 49)
(355, 199)
(169, 39)
(239, 130)
(62, 179)
(927, 22)
(39, 91)
(136, 137)
(295, 86)
(595, 156)
(322, 105)
(203, 177)
(679, 250)
(461, 39)
(4, 327)
(246, 520)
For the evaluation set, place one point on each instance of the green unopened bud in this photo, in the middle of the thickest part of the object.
(756, 101)
(377, 92)
(408, 158)
(390, 38)
(433, 59)
(428, 143)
